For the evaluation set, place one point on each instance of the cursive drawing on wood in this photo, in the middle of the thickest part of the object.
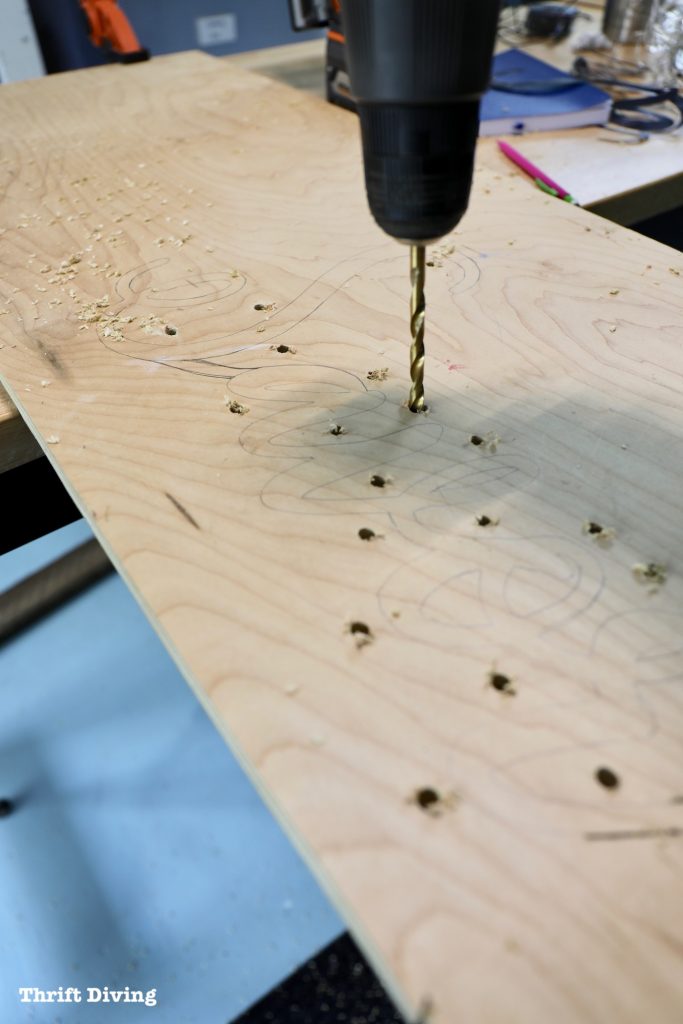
(447, 647)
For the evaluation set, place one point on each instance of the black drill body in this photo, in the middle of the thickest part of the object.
(418, 69)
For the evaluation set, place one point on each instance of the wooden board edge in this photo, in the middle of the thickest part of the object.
(414, 1015)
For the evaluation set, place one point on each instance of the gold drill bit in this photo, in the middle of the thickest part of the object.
(416, 402)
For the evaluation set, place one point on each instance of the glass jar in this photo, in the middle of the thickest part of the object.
(665, 43)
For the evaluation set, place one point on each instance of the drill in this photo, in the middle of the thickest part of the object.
(418, 69)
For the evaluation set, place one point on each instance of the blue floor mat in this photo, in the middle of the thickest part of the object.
(139, 854)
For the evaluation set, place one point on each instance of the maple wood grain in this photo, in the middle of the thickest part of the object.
(623, 184)
(472, 732)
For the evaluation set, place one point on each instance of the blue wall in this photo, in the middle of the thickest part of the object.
(163, 26)
(259, 23)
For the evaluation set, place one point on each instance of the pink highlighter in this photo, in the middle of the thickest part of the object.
(542, 180)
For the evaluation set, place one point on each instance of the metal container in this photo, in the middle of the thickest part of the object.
(627, 21)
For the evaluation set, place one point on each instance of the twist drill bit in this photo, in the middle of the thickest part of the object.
(416, 402)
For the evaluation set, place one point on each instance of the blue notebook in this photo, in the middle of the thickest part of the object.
(573, 104)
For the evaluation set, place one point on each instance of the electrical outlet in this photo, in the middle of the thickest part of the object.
(215, 29)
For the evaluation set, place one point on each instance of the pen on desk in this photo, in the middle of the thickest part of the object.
(542, 180)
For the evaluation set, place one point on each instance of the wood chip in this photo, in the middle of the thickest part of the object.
(652, 573)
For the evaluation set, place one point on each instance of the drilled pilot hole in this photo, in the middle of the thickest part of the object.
(607, 778)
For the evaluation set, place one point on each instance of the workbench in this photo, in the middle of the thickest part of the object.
(445, 647)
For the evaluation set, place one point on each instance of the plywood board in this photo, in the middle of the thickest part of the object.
(199, 303)
(623, 185)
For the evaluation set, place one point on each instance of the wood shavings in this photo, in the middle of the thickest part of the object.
(236, 407)
(92, 311)
(380, 374)
(45, 383)
(103, 270)
(53, 439)
(485, 520)
(489, 442)
(439, 254)
(112, 327)
(108, 324)
(652, 573)
(66, 271)
(614, 291)
(674, 271)
(603, 535)
(612, 328)
(152, 324)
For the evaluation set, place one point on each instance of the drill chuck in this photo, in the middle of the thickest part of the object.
(418, 69)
